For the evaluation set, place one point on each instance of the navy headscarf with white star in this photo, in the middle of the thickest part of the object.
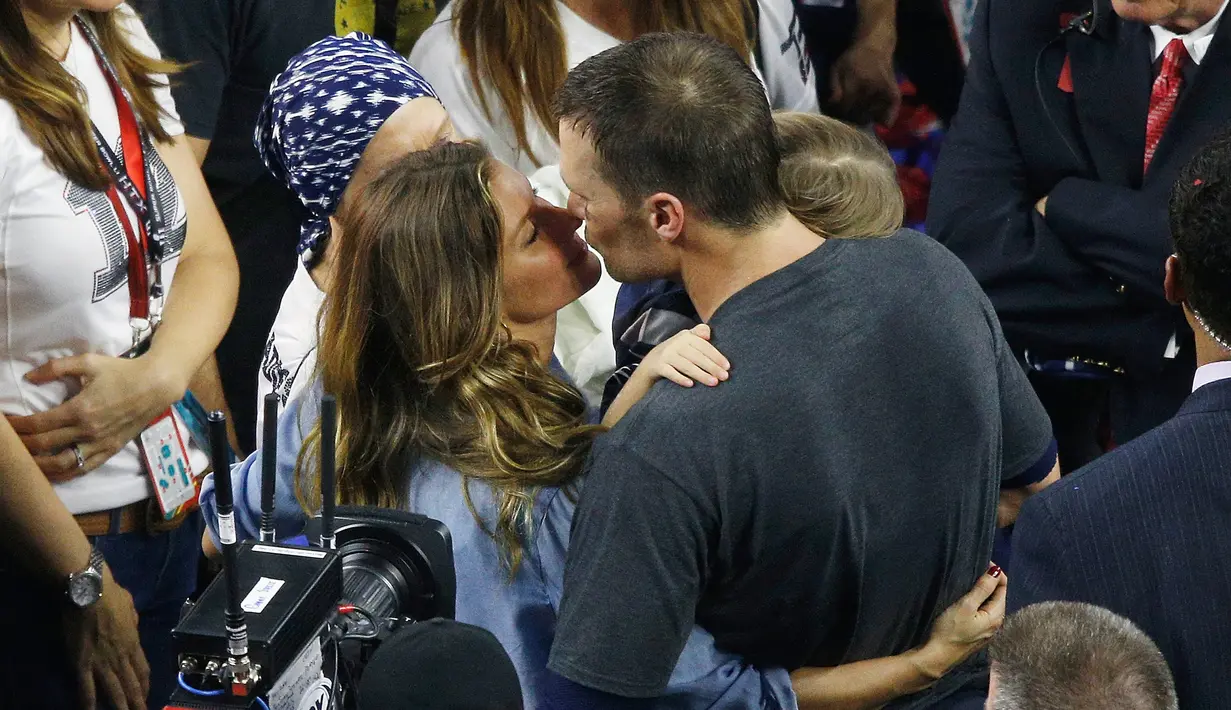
(320, 115)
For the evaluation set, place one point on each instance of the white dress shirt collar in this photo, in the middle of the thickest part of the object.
(1212, 372)
(1196, 42)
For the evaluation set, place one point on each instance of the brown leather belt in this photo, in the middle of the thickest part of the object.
(142, 516)
(130, 518)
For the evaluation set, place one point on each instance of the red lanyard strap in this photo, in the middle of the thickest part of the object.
(136, 188)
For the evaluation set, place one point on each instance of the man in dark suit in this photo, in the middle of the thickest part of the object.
(1144, 530)
(1052, 187)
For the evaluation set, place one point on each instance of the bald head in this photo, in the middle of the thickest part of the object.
(1070, 656)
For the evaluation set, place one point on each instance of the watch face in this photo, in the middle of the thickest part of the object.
(85, 588)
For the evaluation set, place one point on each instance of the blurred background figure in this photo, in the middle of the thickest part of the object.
(398, 22)
(497, 65)
(440, 665)
(1070, 656)
(894, 65)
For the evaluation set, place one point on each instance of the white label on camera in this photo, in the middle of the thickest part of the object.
(261, 595)
(292, 551)
(300, 680)
(226, 528)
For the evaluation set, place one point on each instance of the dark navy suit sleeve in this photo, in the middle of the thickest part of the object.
(1114, 228)
(1041, 568)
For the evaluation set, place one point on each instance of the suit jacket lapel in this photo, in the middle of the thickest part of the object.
(1202, 108)
(1112, 76)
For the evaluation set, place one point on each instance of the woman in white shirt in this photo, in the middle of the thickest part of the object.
(497, 65)
(94, 168)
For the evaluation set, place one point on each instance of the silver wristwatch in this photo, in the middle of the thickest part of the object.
(86, 587)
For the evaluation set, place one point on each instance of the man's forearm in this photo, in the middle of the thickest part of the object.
(877, 21)
(38, 530)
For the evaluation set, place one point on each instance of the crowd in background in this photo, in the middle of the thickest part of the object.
(755, 353)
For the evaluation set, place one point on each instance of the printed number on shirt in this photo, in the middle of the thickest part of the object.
(795, 40)
(115, 244)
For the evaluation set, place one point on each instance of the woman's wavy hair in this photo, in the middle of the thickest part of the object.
(516, 47)
(50, 102)
(414, 350)
(839, 181)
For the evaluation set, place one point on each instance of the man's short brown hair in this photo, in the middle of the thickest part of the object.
(679, 113)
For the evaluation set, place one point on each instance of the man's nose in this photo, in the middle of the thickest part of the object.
(575, 208)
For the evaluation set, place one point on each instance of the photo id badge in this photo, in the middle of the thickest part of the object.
(166, 458)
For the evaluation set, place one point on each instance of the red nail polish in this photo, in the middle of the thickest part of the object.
(994, 571)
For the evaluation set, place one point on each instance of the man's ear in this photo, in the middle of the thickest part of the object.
(1173, 284)
(666, 215)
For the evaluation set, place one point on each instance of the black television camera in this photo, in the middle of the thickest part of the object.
(286, 627)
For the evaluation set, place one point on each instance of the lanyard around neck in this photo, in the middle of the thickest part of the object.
(131, 183)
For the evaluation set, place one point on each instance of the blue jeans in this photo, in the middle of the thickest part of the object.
(159, 571)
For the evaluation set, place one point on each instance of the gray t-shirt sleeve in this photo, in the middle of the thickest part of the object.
(1026, 433)
(636, 568)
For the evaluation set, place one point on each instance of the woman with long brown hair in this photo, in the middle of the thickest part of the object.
(117, 282)
(437, 340)
(497, 65)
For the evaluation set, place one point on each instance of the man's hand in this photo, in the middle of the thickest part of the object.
(1041, 206)
(106, 649)
(119, 398)
(863, 85)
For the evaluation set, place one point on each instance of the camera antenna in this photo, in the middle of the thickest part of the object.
(329, 433)
(269, 467)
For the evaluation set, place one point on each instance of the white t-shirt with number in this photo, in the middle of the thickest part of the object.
(785, 69)
(64, 267)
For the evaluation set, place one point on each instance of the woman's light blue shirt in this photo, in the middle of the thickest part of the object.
(519, 610)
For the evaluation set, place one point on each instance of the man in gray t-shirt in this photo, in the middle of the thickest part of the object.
(827, 502)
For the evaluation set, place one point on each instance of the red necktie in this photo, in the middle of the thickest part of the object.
(1164, 95)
